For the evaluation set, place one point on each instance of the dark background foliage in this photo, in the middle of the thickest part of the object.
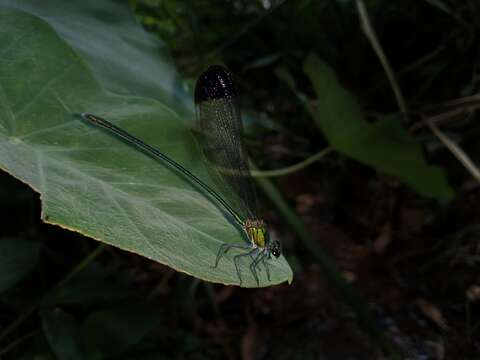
(413, 258)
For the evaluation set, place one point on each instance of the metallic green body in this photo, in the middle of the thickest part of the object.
(256, 232)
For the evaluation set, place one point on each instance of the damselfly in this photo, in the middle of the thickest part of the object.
(220, 125)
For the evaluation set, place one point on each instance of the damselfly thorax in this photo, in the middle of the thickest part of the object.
(256, 232)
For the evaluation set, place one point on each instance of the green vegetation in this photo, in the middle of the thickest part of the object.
(360, 120)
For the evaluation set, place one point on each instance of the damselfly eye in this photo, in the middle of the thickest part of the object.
(276, 249)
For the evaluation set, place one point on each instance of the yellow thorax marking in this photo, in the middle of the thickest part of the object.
(256, 232)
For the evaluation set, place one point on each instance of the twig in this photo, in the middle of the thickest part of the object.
(17, 342)
(455, 150)
(445, 116)
(372, 37)
(455, 102)
(291, 169)
(422, 60)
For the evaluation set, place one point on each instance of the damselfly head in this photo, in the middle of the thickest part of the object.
(275, 248)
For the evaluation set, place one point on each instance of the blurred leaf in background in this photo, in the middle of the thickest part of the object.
(384, 144)
(17, 258)
(63, 334)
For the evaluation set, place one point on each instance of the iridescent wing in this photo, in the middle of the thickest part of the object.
(220, 124)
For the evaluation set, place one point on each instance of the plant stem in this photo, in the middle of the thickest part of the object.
(291, 169)
(456, 150)
(81, 265)
(437, 119)
(468, 321)
(346, 291)
(17, 342)
(372, 37)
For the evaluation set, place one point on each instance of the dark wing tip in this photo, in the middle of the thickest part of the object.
(215, 83)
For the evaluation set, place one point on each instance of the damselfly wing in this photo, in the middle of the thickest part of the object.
(220, 123)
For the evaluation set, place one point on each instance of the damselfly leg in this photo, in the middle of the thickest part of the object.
(260, 258)
(235, 261)
(224, 249)
(265, 264)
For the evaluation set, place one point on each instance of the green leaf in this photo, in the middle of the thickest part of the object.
(88, 180)
(112, 332)
(384, 145)
(121, 55)
(17, 258)
(63, 335)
